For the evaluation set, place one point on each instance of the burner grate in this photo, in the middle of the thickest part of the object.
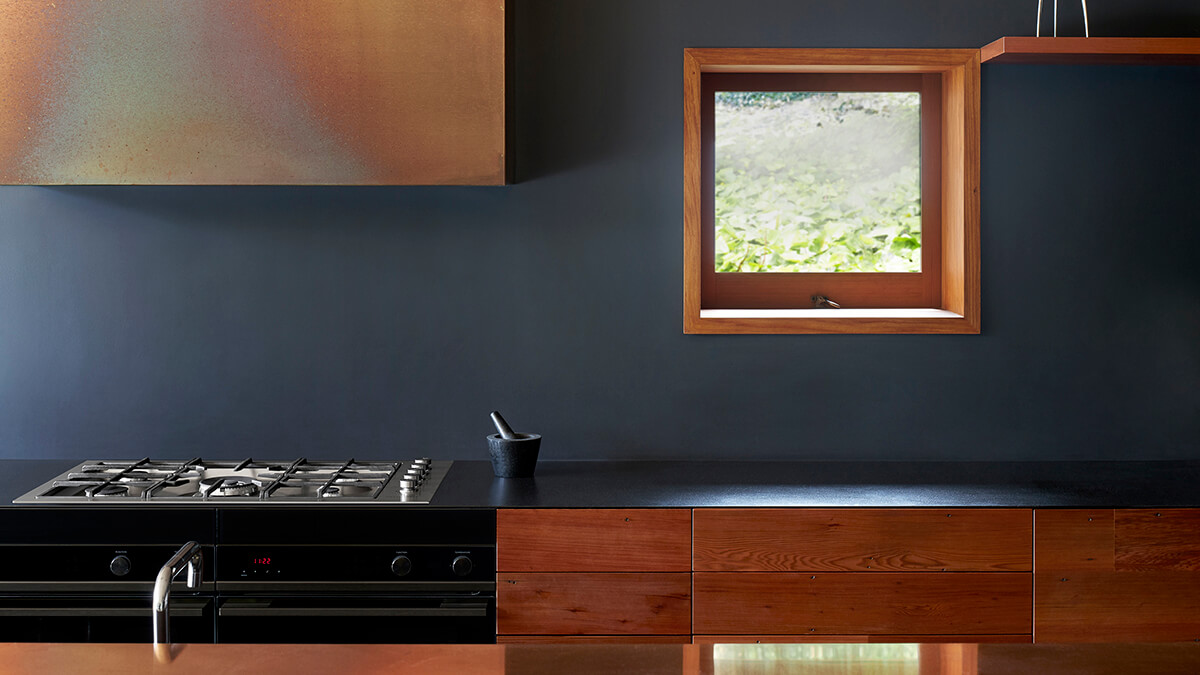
(199, 481)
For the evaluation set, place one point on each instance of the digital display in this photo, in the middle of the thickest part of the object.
(261, 561)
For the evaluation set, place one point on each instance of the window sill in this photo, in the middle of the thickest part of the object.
(878, 321)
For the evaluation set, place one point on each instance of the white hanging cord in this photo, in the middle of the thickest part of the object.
(1038, 31)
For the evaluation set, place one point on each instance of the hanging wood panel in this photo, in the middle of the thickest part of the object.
(253, 92)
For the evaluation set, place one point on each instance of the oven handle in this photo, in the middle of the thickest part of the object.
(263, 608)
(181, 607)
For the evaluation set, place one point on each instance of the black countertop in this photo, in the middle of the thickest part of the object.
(599, 484)
(831, 484)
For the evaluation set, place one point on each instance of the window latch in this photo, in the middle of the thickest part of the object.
(822, 302)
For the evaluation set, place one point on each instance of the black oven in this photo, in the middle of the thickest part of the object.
(281, 575)
(356, 576)
(306, 619)
(356, 594)
(99, 617)
(87, 576)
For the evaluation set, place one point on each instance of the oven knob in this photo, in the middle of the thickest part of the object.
(462, 565)
(119, 566)
(401, 565)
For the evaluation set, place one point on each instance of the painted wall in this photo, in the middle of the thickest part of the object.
(387, 322)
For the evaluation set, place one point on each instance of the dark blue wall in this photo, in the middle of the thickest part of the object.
(387, 322)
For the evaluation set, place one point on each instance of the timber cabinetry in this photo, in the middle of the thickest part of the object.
(862, 574)
(874, 575)
(593, 574)
(1123, 575)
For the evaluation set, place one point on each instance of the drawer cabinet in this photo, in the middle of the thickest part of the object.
(594, 540)
(863, 540)
(1124, 575)
(858, 603)
(589, 574)
(594, 575)
(863, 572)
(594, 604)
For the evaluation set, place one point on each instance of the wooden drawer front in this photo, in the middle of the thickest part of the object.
(1162, 539)
(863, 603)
(593, 604)
(594, 540)
(860, 540)
(1117, 576)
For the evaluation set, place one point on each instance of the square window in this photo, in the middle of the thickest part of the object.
(848, 176)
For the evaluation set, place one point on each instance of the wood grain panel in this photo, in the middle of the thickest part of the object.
(863, 603)
(824, 540)
(1129, 575)
(960, 193)
(593, 604)
(773, 60)
(1093, 50)
(593, 540)
(1073, 539)
(1163, 539)
(1117, 607)
(692, 194)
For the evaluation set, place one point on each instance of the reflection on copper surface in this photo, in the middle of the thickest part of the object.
(252, 92)
(585, 659)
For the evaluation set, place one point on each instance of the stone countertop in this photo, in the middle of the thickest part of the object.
(681, 484)
(600, 484)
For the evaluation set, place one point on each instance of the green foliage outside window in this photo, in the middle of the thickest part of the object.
(818, 182)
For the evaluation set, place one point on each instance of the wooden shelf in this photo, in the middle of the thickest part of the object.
(1078, 50)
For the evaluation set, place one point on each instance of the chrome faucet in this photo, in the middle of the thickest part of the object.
(189, 557)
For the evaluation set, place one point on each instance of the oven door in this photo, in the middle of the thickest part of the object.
(380, 619)
(99, 618)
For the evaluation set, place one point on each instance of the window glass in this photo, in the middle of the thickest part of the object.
(817, 181)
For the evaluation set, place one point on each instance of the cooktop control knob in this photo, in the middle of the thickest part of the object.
(120, 565)
(401, 565)
(462, 565)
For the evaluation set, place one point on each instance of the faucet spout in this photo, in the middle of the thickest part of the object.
(188, 557)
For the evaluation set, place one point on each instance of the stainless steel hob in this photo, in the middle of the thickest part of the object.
(246, 482)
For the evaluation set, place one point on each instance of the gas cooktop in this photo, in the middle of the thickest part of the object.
(202, 482)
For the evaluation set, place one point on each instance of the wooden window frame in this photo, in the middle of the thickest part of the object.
(773, 290)
(948, 300)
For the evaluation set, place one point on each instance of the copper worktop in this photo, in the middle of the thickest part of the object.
(581, 659)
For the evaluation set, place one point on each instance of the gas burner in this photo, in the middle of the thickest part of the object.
(227, 487)
(200, 481)
(109, 491)
(346, 490)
